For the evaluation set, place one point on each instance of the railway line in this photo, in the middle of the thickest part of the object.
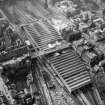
(59, 96)
(23, 16)
(84, 76)
(65, 65)
(46, 37)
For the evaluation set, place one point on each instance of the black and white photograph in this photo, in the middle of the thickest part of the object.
(52, 52)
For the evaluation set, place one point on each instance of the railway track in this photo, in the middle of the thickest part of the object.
(43, 86)
(42, 36)
(64, 62)
(39, 88)
(24, 18)
(68, 65)
(59, 96)
(82, 96)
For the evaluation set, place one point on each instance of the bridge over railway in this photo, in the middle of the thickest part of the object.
(57, 56)
(61, 59)
(67, 63)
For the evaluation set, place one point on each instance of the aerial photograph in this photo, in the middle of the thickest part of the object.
(52, 52)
